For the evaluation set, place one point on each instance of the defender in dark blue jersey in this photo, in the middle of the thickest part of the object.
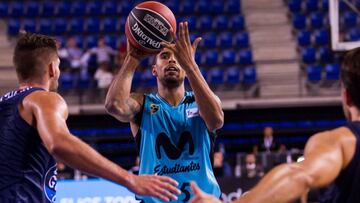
(174, 129)
(33, 131)
(332, 158)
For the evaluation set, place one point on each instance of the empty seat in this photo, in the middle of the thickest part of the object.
(211, 58)
(125, 7)
(325, 5)
(90, 41)
(233, 7)
(29, 25)
(225, 40)
(66, 81)
(245, 57)
(32, 9)
(321, 37)
(76, 26)
(45, 27)
(209, 40)
(4, 9)
(313, 73)
(63, 9)
(109, 8)
(79, 41)
(147, 78)
(242, 40)
(228, 57)
(60, 26)
(217, 7)
(78, 8)
(191, 22)
(198, 57)
(13, 27)
(353, 34)
(205, 23)
(304, 38)
(187, 7)
(325, 55)
(250, 76)
(312, 5)
(237, 23)
(92, 25)
(202, 7)
(294, 6)
(350, 19)
(109, 25)
(216, 76)
(16, 9)
(317, 20)
(299, 21)
(232, 75)
(332, 72)
(173, 6)
(204, 72)
(136, 81)
(48, 9)
(111, 41)
(94, 8)
(308, 55)
(221, 23)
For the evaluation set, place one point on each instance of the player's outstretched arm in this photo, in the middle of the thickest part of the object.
(209, 104)
(50, 113)
(323, 162)
(119, 102)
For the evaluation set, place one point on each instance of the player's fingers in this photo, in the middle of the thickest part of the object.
(181, 31)
(196, 43)
(173, 34)
(165, 193)
(196, 190)
(196, 199)
(187, 35)
(169, 184)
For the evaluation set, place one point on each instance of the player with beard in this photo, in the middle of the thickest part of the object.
(174, 128)
(33, 131)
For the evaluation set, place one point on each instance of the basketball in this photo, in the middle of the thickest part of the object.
(149, 24)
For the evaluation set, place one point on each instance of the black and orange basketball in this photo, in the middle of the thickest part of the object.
(148, 24)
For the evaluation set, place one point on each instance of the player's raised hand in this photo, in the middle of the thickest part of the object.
(200, 196)
(135, 52)
(183, 50)
(161, 187)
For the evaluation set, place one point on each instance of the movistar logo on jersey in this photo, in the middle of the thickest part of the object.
(154, 108)
(174, 151)
(50, 184)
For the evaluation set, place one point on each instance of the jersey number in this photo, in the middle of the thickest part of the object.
(185, 190)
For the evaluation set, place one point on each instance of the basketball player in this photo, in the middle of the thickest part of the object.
(174, 129)
(331, 157)
(33, 129)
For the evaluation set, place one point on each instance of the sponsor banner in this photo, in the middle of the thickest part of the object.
(233, 188)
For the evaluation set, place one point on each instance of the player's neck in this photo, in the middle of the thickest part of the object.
(172, 96)
(33, 84)
(354, 114)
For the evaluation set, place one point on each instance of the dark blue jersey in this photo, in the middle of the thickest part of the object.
(346, 187)
(27, 170)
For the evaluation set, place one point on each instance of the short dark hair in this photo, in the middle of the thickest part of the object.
(350, 75)
(32, 54)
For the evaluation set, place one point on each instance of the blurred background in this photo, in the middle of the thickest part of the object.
(275, 65)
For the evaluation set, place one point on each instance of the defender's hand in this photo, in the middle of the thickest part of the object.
(200, 196)
(183, 50)
(161, 187)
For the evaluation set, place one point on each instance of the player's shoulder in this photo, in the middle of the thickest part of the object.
(44, 98)
(333, 137)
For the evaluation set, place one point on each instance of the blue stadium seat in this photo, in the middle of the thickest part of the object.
(4, 9)
(228, 57)
(147, 78)
(209, 40)
(233, 7)
(317, 20)
(325, 5)
(90, 41)
(215, 76)
(204, 72)
(13, 27)
(205, 23)
(111, 41)
(242, 40)
(308, 55)
(322, 37)
(294, 6)
(92, 25)
(332, 72)
(304, 38)
(76, 26)
(245, 57)
(232, 75)
(84, 82)
(94, 8)
(109, 8)
(237, 23)
(66, 81)
(109, 25)
(191, 22)
(173, 6)
(198, 57)
(45, 27)
(60, 26)
(63, 9)
(202, 7)
(79, 41)
(250, 76)
(350, 19)
(125, 7)
(122, 24)
(313, 73)
(29, 25)
(312, 5)
(187, 7)
(353, 34)
(16, 9)
(299, 21)
(221, 22)
(325, 55)
(225, 40)
(48, 9)
(217, 7)
(136, 79)
(32, 9)
(78, 9)
(211, 58)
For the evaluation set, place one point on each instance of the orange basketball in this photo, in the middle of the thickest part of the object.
(148, 24)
